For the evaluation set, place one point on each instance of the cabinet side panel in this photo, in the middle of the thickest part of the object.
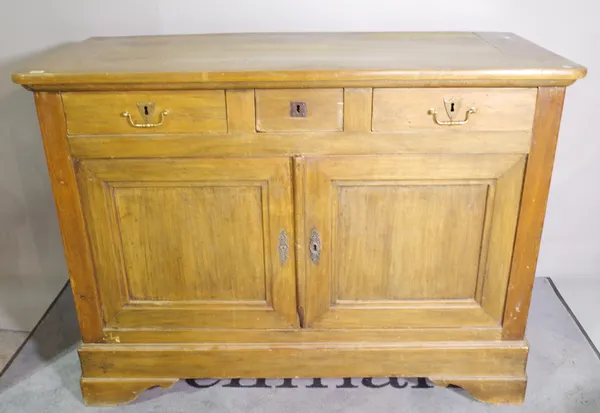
(68, 206)
(533, 209)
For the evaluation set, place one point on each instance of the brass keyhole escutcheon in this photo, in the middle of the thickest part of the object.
(452, 106)
(146, 110)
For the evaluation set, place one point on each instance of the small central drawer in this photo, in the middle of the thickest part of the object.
(453, 109)
(297, 110)
(125, 113)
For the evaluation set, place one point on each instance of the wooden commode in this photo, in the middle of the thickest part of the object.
(301, 205)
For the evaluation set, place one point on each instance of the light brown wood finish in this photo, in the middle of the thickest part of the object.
(533, 210)
(294, 59)
(301, 240)
(100, 113)
(158, 223)
(240, 111)
(429, 212)
(110, 278)
(110, 392)
(495, 268)
(324, 110)
(291, 144)
(410, 219)
(301, 335)
(438, 359)
(109, 370)
(70, 216)
(497, 109)
(317, 81)
(204, 235)
(358, 109)
(489, 390)
(189, 244)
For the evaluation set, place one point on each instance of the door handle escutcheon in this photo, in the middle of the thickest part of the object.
(314, 246)
(283, 247)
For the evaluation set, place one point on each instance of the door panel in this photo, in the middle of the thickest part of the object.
(192, 230)
(193, 243)
(417, 224)
(406, 240)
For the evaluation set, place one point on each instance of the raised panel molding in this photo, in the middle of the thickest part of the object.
(151, 275)
(394, 238)
(503, 228)
(200, 235)
(486, 188)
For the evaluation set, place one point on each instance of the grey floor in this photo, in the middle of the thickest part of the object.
(582, 295)
(563, 371)
(9, 343)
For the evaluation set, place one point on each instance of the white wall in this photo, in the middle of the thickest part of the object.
(32, 267)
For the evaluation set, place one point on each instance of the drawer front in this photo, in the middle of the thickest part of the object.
(295, 110)
(456, 110)
(142, 112)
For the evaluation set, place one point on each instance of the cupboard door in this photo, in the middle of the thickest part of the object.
(409, 240)
(191, 243)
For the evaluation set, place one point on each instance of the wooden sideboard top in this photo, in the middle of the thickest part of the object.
(297, 59)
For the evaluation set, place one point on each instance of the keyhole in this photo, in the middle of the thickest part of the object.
(452, 107)
(146, 110)
(298, 109)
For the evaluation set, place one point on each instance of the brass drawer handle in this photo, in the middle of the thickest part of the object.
(433, 113)
(161, 118)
